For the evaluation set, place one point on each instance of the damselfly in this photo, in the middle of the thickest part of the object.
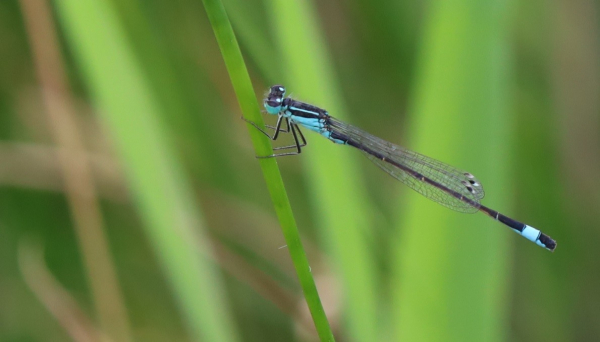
(442, 183)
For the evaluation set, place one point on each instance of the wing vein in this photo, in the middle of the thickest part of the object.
(454, 182)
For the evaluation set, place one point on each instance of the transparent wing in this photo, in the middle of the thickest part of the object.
(459, 181)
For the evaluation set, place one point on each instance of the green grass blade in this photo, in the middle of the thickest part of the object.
(159, 187)
(335, 184)
(249, 105)
(452, 268)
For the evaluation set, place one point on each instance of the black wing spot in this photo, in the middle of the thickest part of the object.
(468, 184)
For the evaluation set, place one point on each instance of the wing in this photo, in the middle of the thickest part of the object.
(458, 181)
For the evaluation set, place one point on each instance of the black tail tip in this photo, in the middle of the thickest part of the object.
(548, 242)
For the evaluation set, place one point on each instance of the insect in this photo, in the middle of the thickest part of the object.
(440, 182)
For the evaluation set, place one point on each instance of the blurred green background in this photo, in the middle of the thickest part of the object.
(132, 206)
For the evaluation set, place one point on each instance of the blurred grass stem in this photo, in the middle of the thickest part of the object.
(159, 187)
(77, 176)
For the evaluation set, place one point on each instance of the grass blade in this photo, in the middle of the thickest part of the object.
(247, 99)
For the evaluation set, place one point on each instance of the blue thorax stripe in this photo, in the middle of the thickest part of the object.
(305, 110)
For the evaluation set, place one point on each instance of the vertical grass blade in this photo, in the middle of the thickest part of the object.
(247, 99)
(160, 189)
(451, 268)
(332, 170)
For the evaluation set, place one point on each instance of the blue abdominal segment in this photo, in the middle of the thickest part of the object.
(533, 235)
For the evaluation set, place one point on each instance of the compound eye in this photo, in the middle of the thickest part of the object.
(278, 90)
(274, 99)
